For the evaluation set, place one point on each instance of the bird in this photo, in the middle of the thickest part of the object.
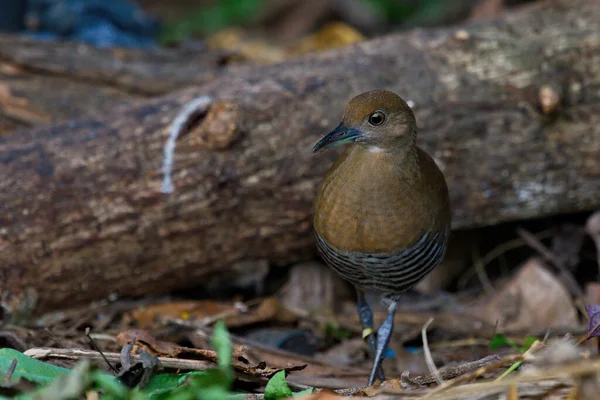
(382, 214)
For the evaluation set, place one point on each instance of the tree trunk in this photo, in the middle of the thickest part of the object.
(509, 108)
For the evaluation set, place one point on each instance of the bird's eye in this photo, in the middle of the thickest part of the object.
(377, 118)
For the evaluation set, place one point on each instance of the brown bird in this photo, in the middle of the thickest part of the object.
(382, 215)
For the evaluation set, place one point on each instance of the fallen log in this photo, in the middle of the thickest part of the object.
(510, 109)
(48, 82)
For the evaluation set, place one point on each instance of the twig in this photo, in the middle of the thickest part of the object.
(475, 374)
(495, 329)
(497, 252)
(446, 372)
(428, 358)
(10, 371)
(253, 345)
(102, 337)
(165, 362)
(79, 354)
(549, 256)
(557, 377)
(481, 273)
(546, 336)
(460, 343)
(557, 373)
(95, 346)
(589, 334)
(535, 346)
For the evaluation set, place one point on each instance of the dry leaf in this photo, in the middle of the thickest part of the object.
(145, 340)
(533, 298)
(332, 35)
(205, 312)
(151, 316)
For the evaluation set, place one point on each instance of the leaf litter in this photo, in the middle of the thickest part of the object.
(509, 342)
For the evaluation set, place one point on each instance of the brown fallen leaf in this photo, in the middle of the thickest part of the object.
(206, 312)
(270, 309)
(242, 49)
(393, 384)
(533, 298)
(318, 372)
(236, 42)
(144, 340)
(332, 35)
(148, 317)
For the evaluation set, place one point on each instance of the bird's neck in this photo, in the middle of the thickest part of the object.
(403, 159)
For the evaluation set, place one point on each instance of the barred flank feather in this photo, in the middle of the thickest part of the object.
(388, 273)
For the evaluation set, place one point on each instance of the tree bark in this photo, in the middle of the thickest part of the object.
(510, 109)
(50, 82)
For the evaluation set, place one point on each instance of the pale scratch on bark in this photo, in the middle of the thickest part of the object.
(197, 106)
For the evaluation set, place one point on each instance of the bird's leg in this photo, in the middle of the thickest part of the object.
(366, 319)
(383, 339)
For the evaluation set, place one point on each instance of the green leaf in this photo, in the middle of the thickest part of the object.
(29, 368)
(213, 393)
(109, 384)
(500, 340)
(277, 387)
(210, 384)
(66, 386)
(509, 371)
(162, 384)
(337, 332)
(222, 345)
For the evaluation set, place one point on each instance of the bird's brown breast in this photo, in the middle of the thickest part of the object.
(371, 203)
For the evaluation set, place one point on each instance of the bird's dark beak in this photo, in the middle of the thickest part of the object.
(339, 135)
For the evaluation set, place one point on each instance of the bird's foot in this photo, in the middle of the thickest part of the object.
(383, 339)
(370, 337)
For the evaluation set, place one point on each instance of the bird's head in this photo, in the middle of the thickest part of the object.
(379, 120)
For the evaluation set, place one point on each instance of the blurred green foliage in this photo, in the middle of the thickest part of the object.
(277, 388)
(499, 340)
(56, 383)
(336, 332)
(208, 20)
(222, 14)
(397, 12)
